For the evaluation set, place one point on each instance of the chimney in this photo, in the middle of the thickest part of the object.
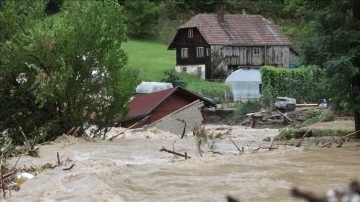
(220, 16)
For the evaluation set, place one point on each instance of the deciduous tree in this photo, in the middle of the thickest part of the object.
(333, 42)
(73, 73)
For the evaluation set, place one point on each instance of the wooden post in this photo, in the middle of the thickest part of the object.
(58, 158)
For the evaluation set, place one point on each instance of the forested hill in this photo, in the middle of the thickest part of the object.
(158, 19)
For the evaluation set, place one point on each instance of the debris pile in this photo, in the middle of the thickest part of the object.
(265, 118)
(12, 179)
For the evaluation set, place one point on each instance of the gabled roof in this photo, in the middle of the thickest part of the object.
(143, 105)
(237, 30)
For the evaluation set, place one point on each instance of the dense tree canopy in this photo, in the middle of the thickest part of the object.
(56, 76)
(142, 18)
(153, 19)
(333, 42)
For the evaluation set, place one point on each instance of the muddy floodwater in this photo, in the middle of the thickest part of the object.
(132, 168)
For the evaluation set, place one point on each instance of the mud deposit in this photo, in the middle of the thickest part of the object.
(133, 169)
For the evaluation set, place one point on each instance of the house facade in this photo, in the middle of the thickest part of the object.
(212, 46)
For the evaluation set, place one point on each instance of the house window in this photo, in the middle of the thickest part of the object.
(256, 51)
(190, 33)
(207, 51)
(199, 52)
(184, 53)
(183, 69)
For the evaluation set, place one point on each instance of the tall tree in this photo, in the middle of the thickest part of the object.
(56, 76)
(333, 42)
(142, 17)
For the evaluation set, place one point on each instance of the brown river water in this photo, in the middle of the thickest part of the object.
(133, 169)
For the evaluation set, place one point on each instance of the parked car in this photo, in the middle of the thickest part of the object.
(284, 104)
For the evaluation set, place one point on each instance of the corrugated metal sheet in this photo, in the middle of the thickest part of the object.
(238, 30)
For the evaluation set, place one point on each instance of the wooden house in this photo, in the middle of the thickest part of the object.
(212, 46)
(149, 108)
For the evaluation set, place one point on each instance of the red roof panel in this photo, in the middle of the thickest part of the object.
(144, 104)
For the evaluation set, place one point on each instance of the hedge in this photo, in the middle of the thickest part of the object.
(305, 84)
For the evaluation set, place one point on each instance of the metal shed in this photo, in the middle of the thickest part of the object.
(245, 84)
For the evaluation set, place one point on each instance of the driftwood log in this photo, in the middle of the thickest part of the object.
(286, 117)
(344, 137)
(235, 145)
(69, 168)
(176, 153)
(132, 126)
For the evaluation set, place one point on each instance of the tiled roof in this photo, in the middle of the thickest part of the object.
(238, 29)
(143, 105)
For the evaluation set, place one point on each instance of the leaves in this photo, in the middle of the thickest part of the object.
(74, 68)
(173, 78)
(304, 84)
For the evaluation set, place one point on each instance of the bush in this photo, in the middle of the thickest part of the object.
(173, 78)
(215, 92)
(286, 134)
(247, 107)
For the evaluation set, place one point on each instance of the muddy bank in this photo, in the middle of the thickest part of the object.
(132, 168)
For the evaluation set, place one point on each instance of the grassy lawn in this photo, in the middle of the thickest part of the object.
(152, 59)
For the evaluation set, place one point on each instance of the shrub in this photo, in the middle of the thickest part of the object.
(215, 92)
(247, 107)
(286, 134)
(173, 78)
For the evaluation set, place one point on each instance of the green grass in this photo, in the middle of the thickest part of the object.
(152, 59)
(330, 132)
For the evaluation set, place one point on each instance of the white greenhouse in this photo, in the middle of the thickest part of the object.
(245, 84)
(150, 87)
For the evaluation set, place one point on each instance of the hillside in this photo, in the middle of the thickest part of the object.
(152, 59)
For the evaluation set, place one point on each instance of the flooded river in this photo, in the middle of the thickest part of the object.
(133, 169)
